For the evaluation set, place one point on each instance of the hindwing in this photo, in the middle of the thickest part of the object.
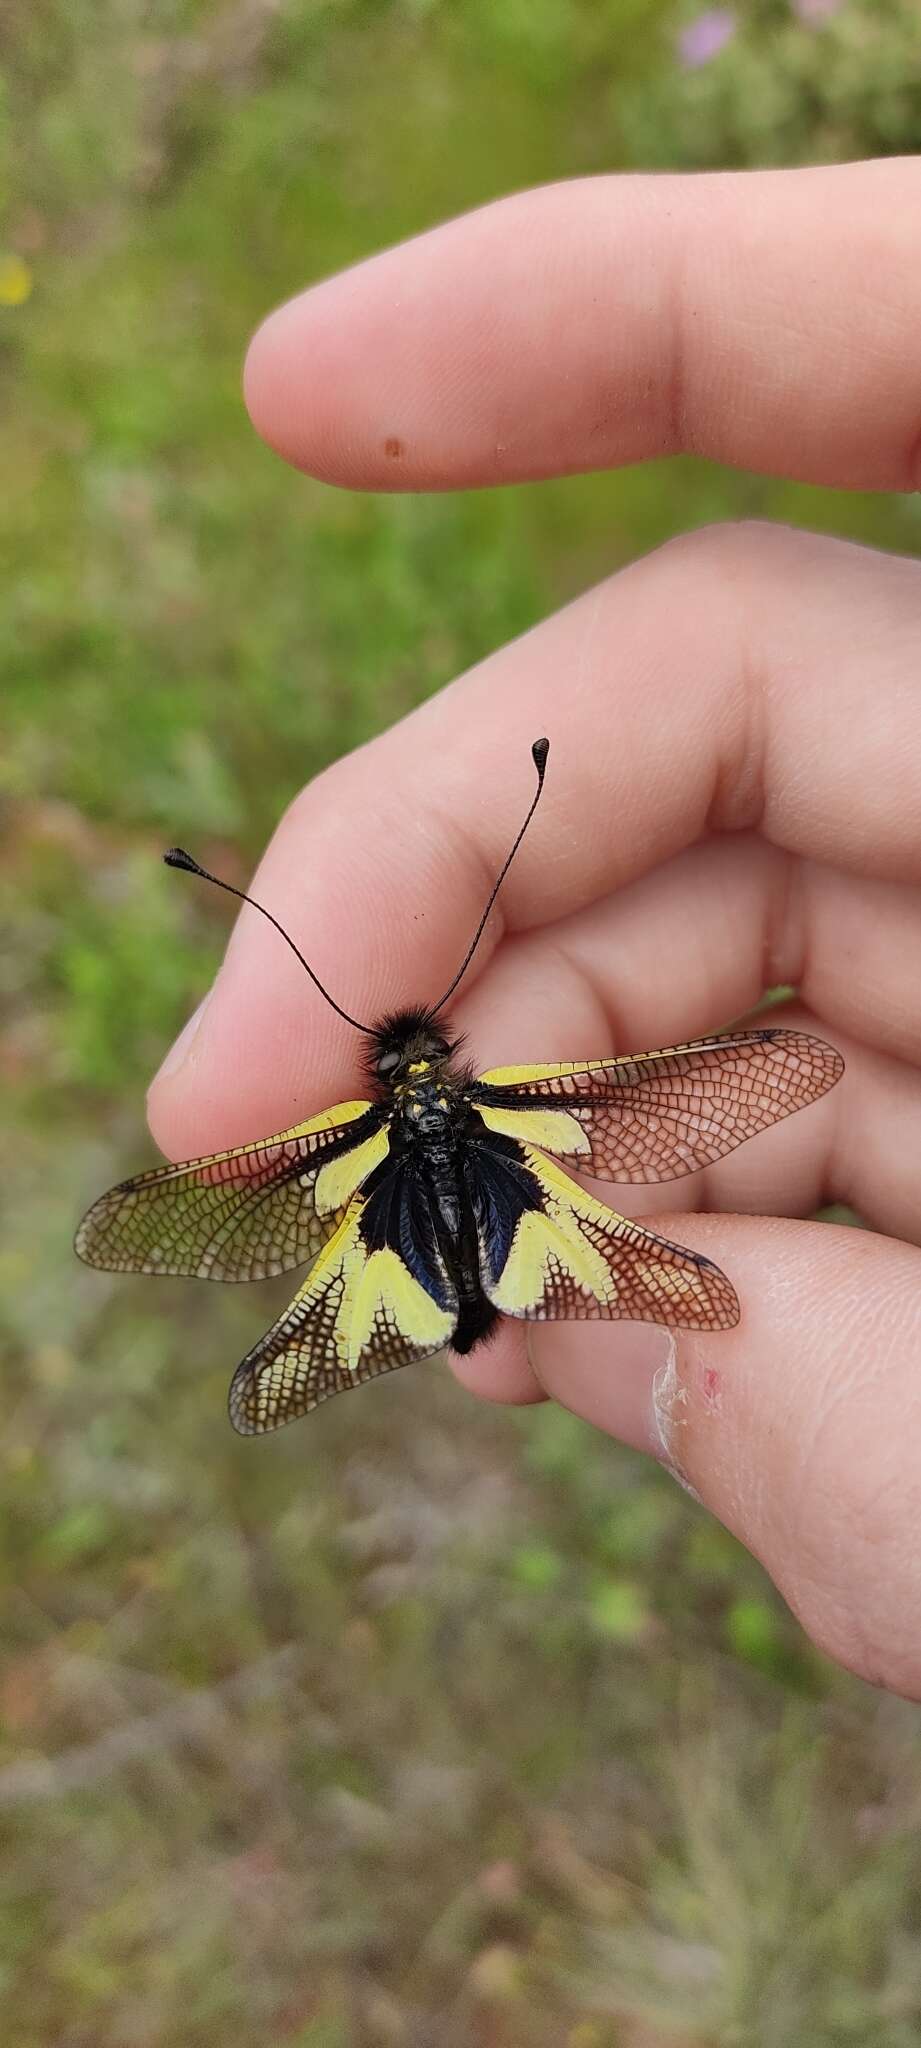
(378, 1297)
(247, 1214)
(657, 1115)
(549, 1251)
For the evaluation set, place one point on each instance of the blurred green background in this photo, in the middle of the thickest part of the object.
(423, 1723)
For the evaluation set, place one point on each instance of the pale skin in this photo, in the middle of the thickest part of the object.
(733, 800)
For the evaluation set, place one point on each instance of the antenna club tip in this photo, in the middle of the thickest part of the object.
(539, 752)
(176, 857)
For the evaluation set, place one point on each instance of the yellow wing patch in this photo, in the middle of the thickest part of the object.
(552, 1070)
(384, 1297)
(338, 1181)
(342, 1113)
(553, 1129)
(575, 1259)
(357, 1315)
(550, 1245)
(542, 1247)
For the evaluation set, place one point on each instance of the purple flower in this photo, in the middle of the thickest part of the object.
(814, 11)
(705, 37)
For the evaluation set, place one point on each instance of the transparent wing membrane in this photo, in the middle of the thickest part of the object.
(570, 1258)
(655, 1116)
(247, 1214)
(359, 1314)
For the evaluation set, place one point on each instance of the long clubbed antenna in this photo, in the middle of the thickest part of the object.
(539, 752)
(178, 858)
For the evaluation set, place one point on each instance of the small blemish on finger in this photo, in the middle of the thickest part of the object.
(393, 448)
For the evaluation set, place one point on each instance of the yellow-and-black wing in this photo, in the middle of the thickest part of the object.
(246, 1214)
(550, 1252)
(378, 1297)
(657, 1115)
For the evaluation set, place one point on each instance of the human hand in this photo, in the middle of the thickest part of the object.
(734, 800)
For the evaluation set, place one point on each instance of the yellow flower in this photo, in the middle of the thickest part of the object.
(15, 281)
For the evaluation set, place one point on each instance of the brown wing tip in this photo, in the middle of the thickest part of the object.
(84, 1246)
(825, 1065)
(239, 1405)
(89, 1241)
(836, 1062)
(730, 1306)
(822, 1053)
(722, 1309)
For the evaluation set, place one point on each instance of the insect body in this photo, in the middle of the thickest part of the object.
(437, 1204)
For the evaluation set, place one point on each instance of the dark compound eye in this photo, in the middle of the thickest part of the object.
(388, 1064)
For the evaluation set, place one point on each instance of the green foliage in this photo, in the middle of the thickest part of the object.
(751, 1628)
(428, 1720)
(793, 83)
(619, 1609)
(538, 1567)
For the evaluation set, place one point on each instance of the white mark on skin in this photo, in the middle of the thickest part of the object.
(669, 1403)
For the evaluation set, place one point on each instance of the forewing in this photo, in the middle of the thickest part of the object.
(247, 1214)
(361, 1312)
(549, 1252)
(657, 1115)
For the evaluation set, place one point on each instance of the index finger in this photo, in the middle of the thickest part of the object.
(768, 319)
